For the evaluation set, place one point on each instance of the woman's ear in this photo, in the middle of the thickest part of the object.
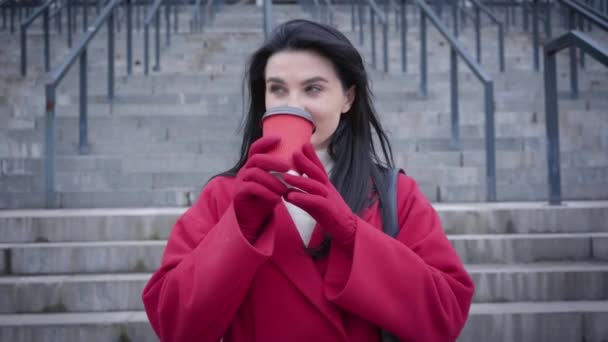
(349, 98)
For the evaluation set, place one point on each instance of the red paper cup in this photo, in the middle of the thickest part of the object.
(295, 127)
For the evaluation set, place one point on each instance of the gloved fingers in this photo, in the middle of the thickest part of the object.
(306, 166)
(267, 162)
(265, 179)
(257, 194)
(263, 145)
(312, 204)
(311, 154)
(308, 185)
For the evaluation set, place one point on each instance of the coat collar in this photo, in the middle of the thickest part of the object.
(291, 258)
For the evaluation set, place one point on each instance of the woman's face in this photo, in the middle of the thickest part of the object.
(307, 80)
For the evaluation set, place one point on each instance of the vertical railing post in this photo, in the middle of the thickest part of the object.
(129, 37)
(455, 17)
(83, 142)
(167, 23)
(372, 24)
(85, 15)
(536, 40)
(454, 98)
(581, 26)
(49, 160)
(501, 47)
(423, 66)
(267, 18)
(404, 35)
(157, 40)
(525, 14)
(23, 39)
(111, 56)
(138, 16)
(548, 29)
(59, 19)
(490, 142)
(361, 35)
(69, 24)
(352, 15)
(573, 61)
(478, 33)
(47, 44)
(3, 17)
(175, 16)
(552, 129)
(385, 39)
(13, 8)
(146, 48)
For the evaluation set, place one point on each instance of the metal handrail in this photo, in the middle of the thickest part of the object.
(196, 23)
(501, 39)
(79, 52)
(587, 12)
(331, 12)
(267, 18)
(568, 40)
(575, 8)
(375, 11)
(12, 14)
(44, 11)
(457, 50)
(153, 13)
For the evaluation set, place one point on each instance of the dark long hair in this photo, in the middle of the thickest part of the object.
(358, 169)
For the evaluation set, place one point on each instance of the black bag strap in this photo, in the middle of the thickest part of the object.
(391, 227)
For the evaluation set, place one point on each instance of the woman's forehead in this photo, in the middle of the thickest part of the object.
(300, 65)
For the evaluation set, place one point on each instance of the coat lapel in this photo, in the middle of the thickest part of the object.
(291, 259)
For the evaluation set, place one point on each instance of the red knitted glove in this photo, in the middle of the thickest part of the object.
(257, 191)
(321, 199)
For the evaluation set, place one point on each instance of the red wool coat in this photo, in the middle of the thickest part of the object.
(212, 283)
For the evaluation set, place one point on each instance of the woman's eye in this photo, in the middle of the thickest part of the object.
(276, 90)
(313, 89)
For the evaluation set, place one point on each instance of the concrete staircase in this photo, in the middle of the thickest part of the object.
(541, 272)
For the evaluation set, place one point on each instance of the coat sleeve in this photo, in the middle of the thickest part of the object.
(414, 286)
(206, 270)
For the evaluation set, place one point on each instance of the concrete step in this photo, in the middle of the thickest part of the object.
(524, 321)
(78, 225)
(122, 292)
(508, 322)
(145, 256)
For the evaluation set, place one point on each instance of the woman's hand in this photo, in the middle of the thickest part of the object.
(257, 191)
(320, 198)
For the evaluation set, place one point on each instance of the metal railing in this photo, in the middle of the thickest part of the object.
(152, 14)
(480, 8)
(208, 14)
(316, 8)
(44, 12)
(267, 18)
(78, 53)
(575, 9)
(8, 5)
(568, 40)
(375, 11)
(456, 50)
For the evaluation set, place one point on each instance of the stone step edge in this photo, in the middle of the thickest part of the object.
(446, 207)
(121, 317)
(161, 242)
(539, 267)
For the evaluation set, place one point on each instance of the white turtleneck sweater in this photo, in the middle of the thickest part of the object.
(303, 221)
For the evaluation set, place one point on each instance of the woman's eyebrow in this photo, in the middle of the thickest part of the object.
(314, 80)
(308, 81)
(275, 80)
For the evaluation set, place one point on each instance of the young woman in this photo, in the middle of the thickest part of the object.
(253, 260)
